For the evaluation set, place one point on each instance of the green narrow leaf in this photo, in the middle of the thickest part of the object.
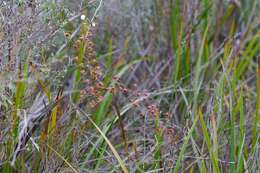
(175, 17)
(203, 169)
(159, 140)
(256, 118)
(178, 65)
(207, 139)
(242, 116)
(198, 77)
(184, 146)
(204, 129)
(107, 141)
(240, 155)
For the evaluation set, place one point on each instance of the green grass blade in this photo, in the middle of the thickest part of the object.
(240, 155)
(207, 139)
(184, 146)
(107, 141)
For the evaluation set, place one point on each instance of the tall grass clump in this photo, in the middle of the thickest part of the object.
(129, 86)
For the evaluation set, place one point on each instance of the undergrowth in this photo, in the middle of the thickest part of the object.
(129, 86)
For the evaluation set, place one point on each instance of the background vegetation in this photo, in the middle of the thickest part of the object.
(129, 86)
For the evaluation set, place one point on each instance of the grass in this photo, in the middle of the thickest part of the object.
(151, 86)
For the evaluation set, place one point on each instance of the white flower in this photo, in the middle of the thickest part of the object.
(93, 24)
(82, 17)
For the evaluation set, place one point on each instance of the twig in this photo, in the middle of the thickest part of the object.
(121, 124)
(96, 11)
